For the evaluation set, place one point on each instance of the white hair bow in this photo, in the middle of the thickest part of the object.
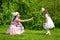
(43, 9)
(14, 14)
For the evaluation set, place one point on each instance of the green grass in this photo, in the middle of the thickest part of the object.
(30, 35)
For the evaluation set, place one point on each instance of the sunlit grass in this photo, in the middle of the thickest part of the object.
(30, 35)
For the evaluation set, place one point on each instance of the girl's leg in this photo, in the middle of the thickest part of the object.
(48, 32)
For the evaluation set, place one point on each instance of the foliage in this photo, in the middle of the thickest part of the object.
(28, 9)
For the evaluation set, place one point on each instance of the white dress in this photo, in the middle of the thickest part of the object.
(20, 28)
(49, 24)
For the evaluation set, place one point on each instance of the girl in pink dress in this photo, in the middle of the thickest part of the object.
(16, 27)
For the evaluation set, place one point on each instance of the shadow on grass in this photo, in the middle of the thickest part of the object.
(36, 33)
(2, 33)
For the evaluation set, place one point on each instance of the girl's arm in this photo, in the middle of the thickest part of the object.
(25, 20)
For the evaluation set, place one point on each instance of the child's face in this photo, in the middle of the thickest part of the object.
(18, 15)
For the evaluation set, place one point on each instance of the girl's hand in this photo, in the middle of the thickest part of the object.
(31, 18)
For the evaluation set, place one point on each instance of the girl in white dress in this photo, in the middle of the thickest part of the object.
(49, 23)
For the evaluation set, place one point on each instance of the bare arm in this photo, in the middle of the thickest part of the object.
(25, 20)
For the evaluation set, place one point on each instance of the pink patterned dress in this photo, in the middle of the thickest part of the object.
(15, 28)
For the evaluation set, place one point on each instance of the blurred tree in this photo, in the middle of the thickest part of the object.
(28, 9)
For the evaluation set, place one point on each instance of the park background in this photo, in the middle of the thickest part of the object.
(28, 9)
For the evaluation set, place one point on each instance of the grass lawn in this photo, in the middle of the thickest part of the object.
(30, 35)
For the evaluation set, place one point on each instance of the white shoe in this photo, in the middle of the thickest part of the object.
(48, 33)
